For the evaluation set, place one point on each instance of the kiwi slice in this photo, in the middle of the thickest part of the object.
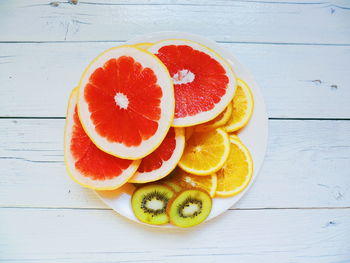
(149, 203)
(190, 207)
(176, 188)
(171, 181)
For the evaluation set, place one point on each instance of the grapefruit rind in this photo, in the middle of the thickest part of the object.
(144, 45)
(74, 174)
(167, 166)
(250, 99)
(204, 116)
(167, 104)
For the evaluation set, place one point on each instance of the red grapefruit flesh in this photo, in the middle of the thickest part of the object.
(204, 82)
(126, 102)
(87, 164)
(163, 160)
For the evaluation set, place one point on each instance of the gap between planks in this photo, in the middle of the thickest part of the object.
(270, 118)
(218, 41)
(230, 209)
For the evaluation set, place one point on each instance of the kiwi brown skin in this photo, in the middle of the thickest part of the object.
(171, 201)
(141, 216)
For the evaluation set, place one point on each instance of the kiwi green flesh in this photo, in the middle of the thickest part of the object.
(189, 208)
(149, 203)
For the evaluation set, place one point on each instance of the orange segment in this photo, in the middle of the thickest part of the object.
(207, 183)
(243, 104)
(205, 152)
(188, 132)
(237, 172)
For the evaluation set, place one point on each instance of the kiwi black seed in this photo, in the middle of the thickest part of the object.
(149, 203)
(190, 207)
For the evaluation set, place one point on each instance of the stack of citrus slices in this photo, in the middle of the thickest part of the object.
(165, 117)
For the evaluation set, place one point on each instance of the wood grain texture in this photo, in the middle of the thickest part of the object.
(248, 21)
(284, 236)
(299, 82)
(307, 165)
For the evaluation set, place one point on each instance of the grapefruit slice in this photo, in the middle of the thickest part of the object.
(163, 160)
(143, 45)
(87, 164)
(204, 82)
(126, 102)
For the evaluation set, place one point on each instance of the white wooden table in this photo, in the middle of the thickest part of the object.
(297, 211)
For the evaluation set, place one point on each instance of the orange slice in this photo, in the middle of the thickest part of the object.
(207, 183)
(188, 132)
(243, 104)
(205, 152)
(237, 172)
(220, 120)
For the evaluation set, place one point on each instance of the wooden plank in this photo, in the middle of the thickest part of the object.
(314, 236)
(37, 78)
(254, 21)
(307, 165)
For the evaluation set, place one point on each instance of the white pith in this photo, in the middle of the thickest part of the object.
(108, 184)
(121, 100)
(167, 166)
(190, 209)
(167, 104)
(154, 204)
(225, 100)
(183, 76)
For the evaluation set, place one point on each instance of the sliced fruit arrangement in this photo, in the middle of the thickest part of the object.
(159, 115)
(87, 164)
(126, 102)
(157, 204)
(204, 82)
(163, 160)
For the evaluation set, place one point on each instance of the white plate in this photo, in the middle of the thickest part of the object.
(254, 135)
